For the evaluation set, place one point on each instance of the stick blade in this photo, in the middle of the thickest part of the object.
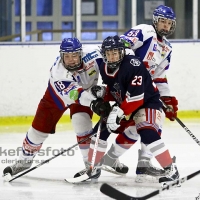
(114, 193)
(79, 179)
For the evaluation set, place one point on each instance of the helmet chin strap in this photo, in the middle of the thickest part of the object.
(163, 33)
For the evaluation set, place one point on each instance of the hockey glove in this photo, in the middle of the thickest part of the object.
(172, 107)
(100, 107)
(98, 91)
(114, 118)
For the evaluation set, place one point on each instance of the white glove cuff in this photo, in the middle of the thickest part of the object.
(119, 111)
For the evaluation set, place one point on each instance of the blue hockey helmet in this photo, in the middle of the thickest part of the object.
(164, 12)
(113, 43)
(71, 45)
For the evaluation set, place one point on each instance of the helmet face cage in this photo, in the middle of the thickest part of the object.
(111, 44)
(164, 12)
(71, 45)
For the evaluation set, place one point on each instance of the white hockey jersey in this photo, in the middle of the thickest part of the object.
(154, 53)
(67, 88)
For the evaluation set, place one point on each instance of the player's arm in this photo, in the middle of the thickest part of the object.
(133, 38)
(160, 79)
(134, 96)
(67, 92)
(101, 105)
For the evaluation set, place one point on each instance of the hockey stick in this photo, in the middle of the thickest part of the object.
(116, 194)
(87, 175)
(46, 161)
(184, 126)
(187, 130)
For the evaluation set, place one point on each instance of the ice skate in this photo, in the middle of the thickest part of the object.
(86, 174)
(112, 164)
(146, 172)
(82, 172)
(172, 173)
(18, 167)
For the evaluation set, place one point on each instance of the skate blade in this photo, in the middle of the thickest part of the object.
(165, 184)
(111, 170)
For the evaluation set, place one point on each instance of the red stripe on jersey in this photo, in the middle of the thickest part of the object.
(147, 114)
(160, 80)
(129, 107)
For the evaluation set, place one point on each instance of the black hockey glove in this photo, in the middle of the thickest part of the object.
(98, 91)
(100, 107)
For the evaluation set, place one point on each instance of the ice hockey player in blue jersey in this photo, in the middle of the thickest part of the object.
(149, 42)
(137, 103)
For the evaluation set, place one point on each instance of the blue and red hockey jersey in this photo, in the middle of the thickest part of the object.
(130, 86)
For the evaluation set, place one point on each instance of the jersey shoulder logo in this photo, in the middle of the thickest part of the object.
(90, 56)
(135, 62)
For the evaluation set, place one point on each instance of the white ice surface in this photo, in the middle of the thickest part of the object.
(47, 181)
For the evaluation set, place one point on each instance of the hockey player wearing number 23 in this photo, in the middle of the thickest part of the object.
(150, 43)
(129, 84)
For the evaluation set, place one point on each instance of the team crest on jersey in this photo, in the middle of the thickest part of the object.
(117, 94)
(135, 62)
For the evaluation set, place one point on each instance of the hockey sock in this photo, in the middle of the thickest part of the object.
(164, 159)
(32, 144)
(145, 152)
(84, 147)
(101, 149)
(156, 146)
(123, 142)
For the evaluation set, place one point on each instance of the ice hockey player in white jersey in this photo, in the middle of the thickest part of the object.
(74, 72)
(149, 42)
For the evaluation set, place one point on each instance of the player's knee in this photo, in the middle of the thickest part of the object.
(149, 136)
(131, 133)
(36, 136)
(82, 123)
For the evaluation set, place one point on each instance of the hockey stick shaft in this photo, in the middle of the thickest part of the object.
(116, 194)
(87, 176)
(47, 161)
(187, 130)
(184, 126)
(96, 144)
